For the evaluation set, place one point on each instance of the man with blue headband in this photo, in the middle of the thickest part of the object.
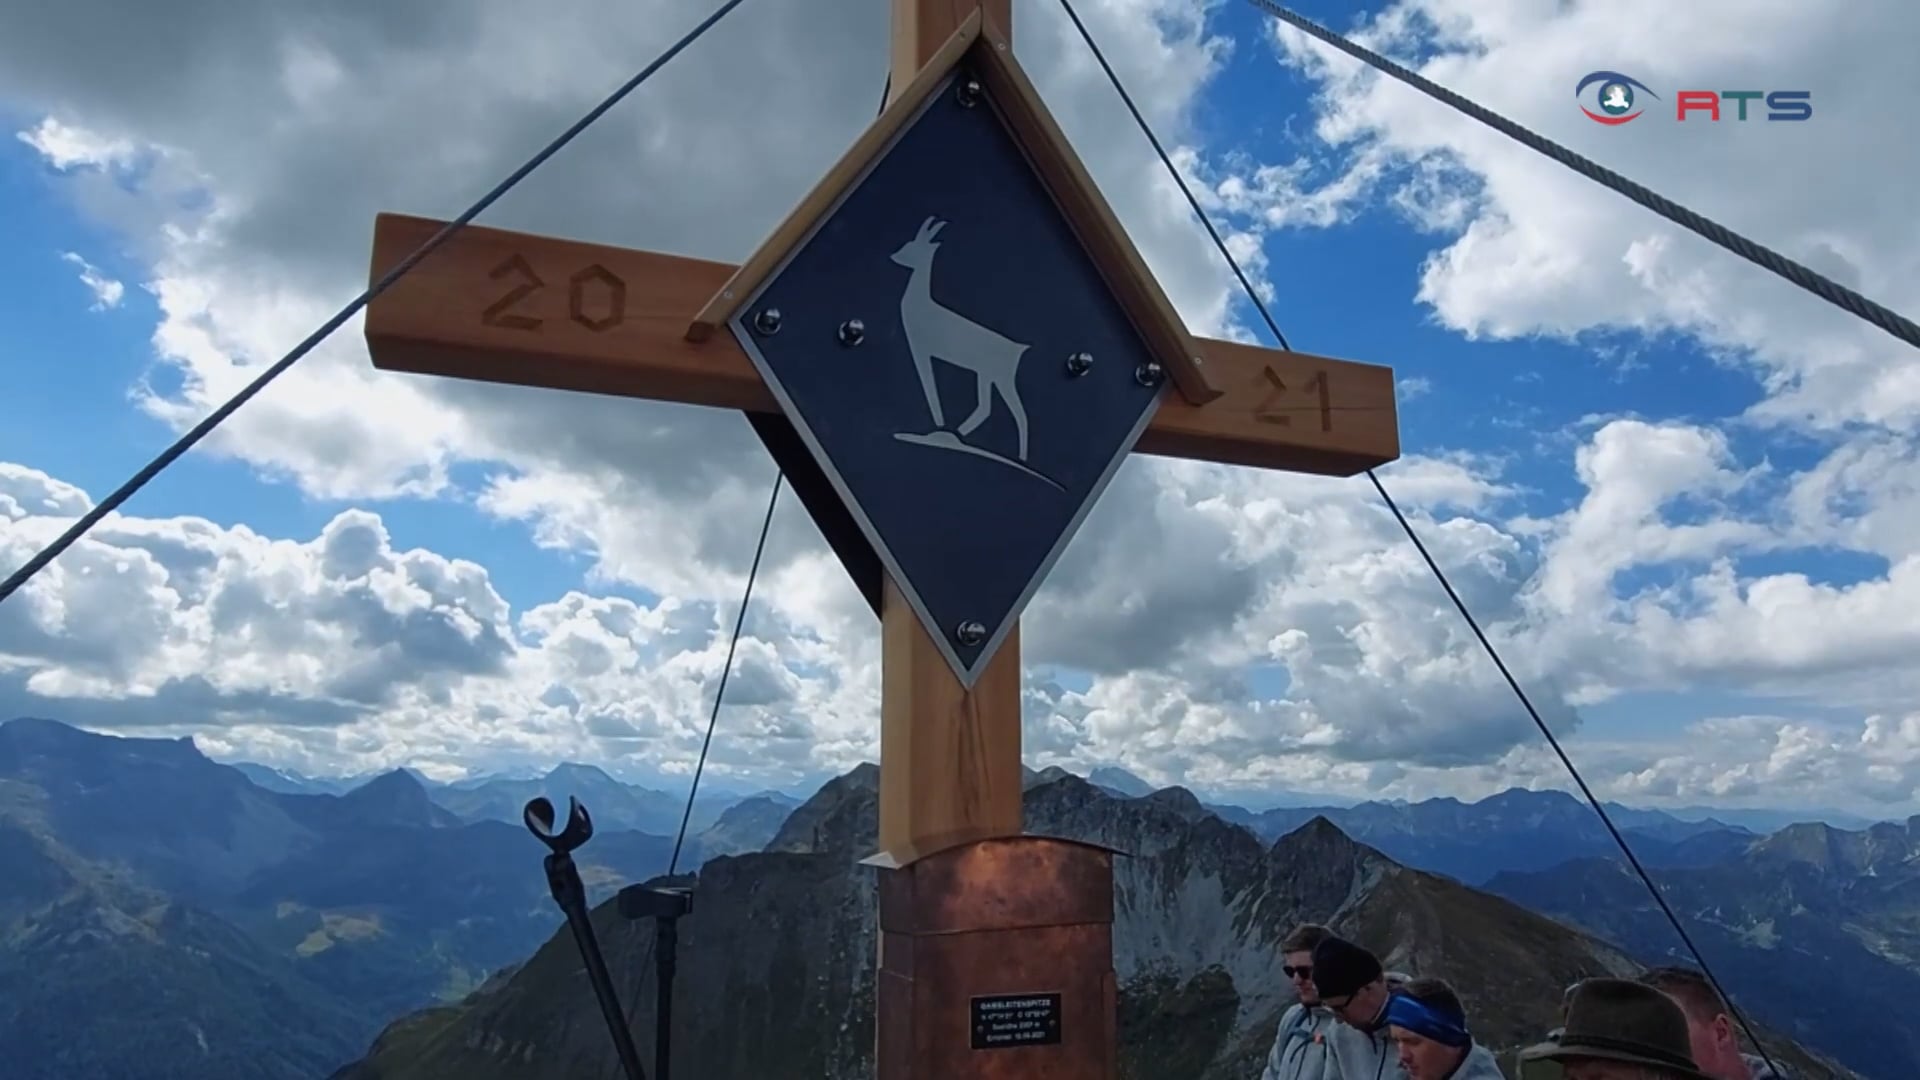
(1429, 1030)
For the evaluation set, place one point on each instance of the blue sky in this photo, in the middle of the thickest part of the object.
(1339, 292)
(76, 368)
(1346, 291)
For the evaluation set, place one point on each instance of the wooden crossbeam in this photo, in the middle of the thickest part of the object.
(510, 307)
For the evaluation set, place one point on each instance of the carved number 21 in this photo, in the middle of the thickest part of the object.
(1271, 411)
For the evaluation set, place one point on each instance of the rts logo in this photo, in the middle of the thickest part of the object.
(1617, 98)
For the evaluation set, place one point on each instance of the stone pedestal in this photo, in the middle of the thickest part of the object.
(996, 962)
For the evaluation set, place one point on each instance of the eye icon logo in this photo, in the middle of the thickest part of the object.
(1614, 96)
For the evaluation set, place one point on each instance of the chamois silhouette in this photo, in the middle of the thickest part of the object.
(938, 333)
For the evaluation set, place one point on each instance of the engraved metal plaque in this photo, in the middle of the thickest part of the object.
(1003, 1021)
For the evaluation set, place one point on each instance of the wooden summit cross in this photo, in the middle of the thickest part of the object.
(959, 236)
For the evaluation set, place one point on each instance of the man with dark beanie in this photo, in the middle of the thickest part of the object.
(1352, 984)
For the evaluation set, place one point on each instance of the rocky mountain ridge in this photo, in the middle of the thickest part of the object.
(776, 961)
(142, 872)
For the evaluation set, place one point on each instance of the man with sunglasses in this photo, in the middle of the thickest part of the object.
(1300, 1046)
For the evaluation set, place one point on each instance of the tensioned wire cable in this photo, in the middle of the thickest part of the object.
(1858, 305)
(1818, 284)
(766, 524)
(16, 580)
(112, 502)
(1406, 525)
(713, 717)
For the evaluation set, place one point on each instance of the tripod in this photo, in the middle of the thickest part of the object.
(664, 905)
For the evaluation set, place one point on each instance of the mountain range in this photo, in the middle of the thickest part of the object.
(776, 961)
(162, 910)
(615, 804)
(166, 909)
(1801, 926)
(1514, 830)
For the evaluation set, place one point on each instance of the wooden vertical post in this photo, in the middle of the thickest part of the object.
(949, 758)
(995, 951)
(920, 27)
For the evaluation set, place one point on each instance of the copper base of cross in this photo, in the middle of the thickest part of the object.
(996, 962)
(970, 906)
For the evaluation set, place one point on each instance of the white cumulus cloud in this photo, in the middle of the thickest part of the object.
(1228, 628)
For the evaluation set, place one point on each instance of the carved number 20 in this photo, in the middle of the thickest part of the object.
(611, 298)
(495, 314)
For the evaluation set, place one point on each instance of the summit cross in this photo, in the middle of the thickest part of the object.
(949, 364)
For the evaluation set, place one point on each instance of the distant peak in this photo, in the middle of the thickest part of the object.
(864, 775)
(1063, 784)
(841, 816)
(1120, 780)
(25, 726)
(391, 784)
(36, 731)
(1813, 842)
(396, 797)
(1806, 830)
(33, 733)
(1318, 837)
(1181, 801)
(575, 771)
(1528, 797)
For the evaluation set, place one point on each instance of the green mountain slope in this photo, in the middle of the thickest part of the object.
(99, 978)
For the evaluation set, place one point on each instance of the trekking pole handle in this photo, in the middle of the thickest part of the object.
(570, 893)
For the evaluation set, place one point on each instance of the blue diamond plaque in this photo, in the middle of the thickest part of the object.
(954, 360)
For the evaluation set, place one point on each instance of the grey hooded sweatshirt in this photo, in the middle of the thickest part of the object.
(1479, 1065)
(1300, 1047)
(1314, 1044)
(1364, 1055)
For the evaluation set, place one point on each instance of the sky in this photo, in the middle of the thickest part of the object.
(1682, 496)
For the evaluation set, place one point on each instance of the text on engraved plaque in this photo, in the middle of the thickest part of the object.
(1004, 1021)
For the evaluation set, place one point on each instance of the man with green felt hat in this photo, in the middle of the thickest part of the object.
(1618, 1029)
